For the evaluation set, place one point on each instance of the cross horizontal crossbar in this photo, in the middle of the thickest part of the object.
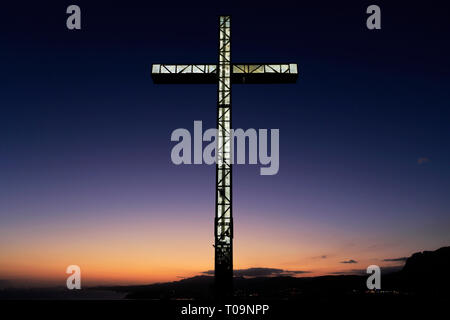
(241, 73)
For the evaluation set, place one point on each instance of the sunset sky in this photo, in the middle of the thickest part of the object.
(85, 170)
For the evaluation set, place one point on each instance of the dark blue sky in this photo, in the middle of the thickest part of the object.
(83, 128)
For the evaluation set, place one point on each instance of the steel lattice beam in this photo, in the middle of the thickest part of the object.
(240, 73)
(224, 220)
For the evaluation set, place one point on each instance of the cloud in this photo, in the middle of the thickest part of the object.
(261, 272)
(384, 271)
(349, 261)
(350, 272)
(396, 259)
(324, 256)
(423, 160)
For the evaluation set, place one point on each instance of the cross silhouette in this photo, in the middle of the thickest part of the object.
(224, 73)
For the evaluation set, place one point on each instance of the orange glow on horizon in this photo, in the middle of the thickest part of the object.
(141, 251)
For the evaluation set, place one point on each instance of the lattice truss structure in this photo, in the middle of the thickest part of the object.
(241, 73)
(224, 220)
(224, 74)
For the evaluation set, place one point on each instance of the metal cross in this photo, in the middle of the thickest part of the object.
(224, 73)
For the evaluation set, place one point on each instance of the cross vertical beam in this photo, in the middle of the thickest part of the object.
(223, 222)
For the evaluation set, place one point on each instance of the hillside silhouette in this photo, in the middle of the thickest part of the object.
(424, 273)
